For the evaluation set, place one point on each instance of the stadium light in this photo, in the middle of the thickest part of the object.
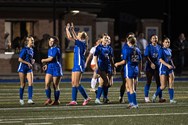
(74, 12)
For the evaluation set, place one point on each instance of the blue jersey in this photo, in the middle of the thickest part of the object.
(79, 56)
(166, 55)
(132, 56)
(111, 51)
(27, 55)
(152, 52)
(104, 53)
(125, 46)
(124, 50)
(54, 67)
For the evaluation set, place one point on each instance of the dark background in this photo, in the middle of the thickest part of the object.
(127, 13)
(172, 12)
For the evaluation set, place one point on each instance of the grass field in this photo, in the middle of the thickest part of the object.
(109, 114)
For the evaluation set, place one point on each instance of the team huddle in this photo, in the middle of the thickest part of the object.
(158, 64)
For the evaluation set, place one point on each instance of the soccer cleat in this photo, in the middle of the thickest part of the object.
(21, 102)
(72, 103)
(134, 107)
(30, 101)
(147, 100)
(97, 101)
(55, 103)
(86, 101)
(161, 100)
(130, 105)
(106, 100)
(154, 98)
(173, 102)
(48, 102)
(121, 100)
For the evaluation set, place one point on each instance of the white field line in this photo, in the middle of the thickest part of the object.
(98, 116)
(9, 122)
(43, 123)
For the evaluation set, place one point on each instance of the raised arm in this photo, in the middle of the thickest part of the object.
(68, 34)
(73, 32)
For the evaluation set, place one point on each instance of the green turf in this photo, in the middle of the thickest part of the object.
(109, 114)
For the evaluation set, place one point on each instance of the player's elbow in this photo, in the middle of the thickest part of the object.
(19, 59)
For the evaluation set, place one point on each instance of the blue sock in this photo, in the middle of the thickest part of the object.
(99, 92)
(82, 91)
(129, 97)
(48, 92)
(133, 98)
(105, 92)
(160, 94)
(21, 91)
(146, 90)
(171, 93)
(74, 93)
(56, 95)
(30, 92)
(158, 91)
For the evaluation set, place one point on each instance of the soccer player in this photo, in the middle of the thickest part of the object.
(53, 70)
(152, 67)
(123, 86)
(104, 65)
(25, 69)
(131, 58)
(91, 55)
(112, 72)
(80, 41)
(166, 71)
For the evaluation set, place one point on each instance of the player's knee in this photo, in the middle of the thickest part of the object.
(163, 87)
(22, 85)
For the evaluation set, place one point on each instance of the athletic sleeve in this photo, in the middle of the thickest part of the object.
(160, 53)
(146, 53)
(22, 53)
(111, 52)
(140, 54)
(54, 52)
(124, 53)
(92, 51)
(97, 51)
